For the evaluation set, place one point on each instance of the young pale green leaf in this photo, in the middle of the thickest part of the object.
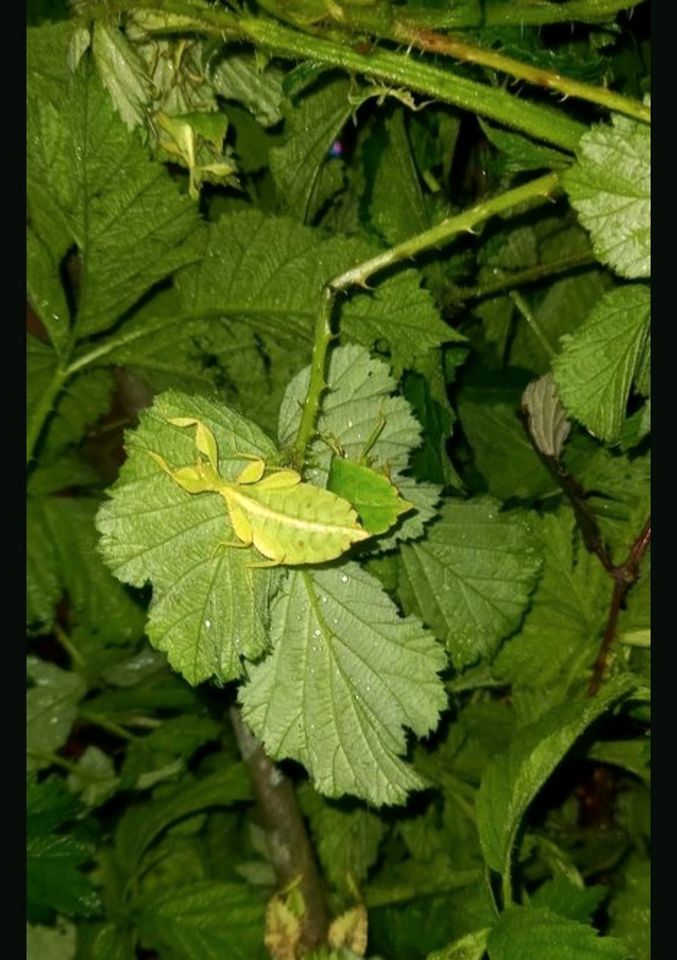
(204, 921)
(549, 658)
(50, 943)
(471, 577)
(305, 175)
(610, 189)
(94, 778)
(513, 779)
(122, 72)
(360, 417)
(525, 933)
(598, 364)
(345, 676)
(270, 272)
(51, 709)
(122, 212)
(470, 947)
(373, 495)
(209, 607)
(142, 825)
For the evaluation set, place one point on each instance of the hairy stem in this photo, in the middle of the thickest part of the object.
(357, 276)
(542, 122)
(461, 50)
(290, 848)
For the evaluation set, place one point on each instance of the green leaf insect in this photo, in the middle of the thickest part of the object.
(286, 520)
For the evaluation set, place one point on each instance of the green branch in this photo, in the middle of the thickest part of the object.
(43, 409)
(357, 276)
(520, 278)
(470, 53)
(538, 121)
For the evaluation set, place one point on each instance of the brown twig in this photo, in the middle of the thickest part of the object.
(286, 835)
(624, 575)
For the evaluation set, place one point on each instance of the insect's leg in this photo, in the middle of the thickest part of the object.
(188, 478)
(253, 471)
(205, 441)
(224, 544)
(280, 479)
(374, 435)
(263, 564)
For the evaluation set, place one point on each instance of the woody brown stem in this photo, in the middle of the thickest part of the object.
(286, 835)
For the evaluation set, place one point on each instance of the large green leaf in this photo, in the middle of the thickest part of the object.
(610, 188)
(549, 658)
(513, 779)
(209, 608)
(360, 416)
(345, 676)
(88, 174)
(470, 578)
(270, 271)
(305, 175)
(538, 934)
(598, 364)
(204, 921)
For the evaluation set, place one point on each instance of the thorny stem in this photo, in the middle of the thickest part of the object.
(461, 50)
(286, 835)
(624, 575)
(357, 276)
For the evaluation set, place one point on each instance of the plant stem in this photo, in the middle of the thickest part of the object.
(461, 50)
(540, 188)
(625, 575)
(42, 411)
(436, 236)
(534, 325)
(70, 649)
(286, 834)
(521, 14)
(520, 278)
(539, 121)
(109, 725)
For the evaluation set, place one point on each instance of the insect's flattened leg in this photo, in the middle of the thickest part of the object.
(242, 528)
(263, 564)
(188, 478)
(205, 441)
(224, 544)
(269, 547)
(280, 480)
(253, 472)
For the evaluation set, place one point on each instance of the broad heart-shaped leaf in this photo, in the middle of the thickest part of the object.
(270, 271)
(305, 175)
(357, 407)
(204, 921)
(610, 188)
(91, 176)
(208, 609)
(513, 779)
(598, 364)
(536, 933)
(471, 577)
(345, 676)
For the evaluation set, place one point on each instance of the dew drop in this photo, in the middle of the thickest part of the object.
(317, 632)
(350, 423)
(344, 578)
(335, 619)
(208, 624)
(324, 599)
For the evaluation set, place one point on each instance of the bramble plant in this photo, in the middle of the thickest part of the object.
(338, 480)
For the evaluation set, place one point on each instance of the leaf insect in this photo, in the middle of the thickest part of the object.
(287, 521)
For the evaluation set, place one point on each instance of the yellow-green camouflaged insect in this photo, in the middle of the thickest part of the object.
(287, 521)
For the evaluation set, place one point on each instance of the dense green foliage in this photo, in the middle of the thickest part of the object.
(361, 240)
